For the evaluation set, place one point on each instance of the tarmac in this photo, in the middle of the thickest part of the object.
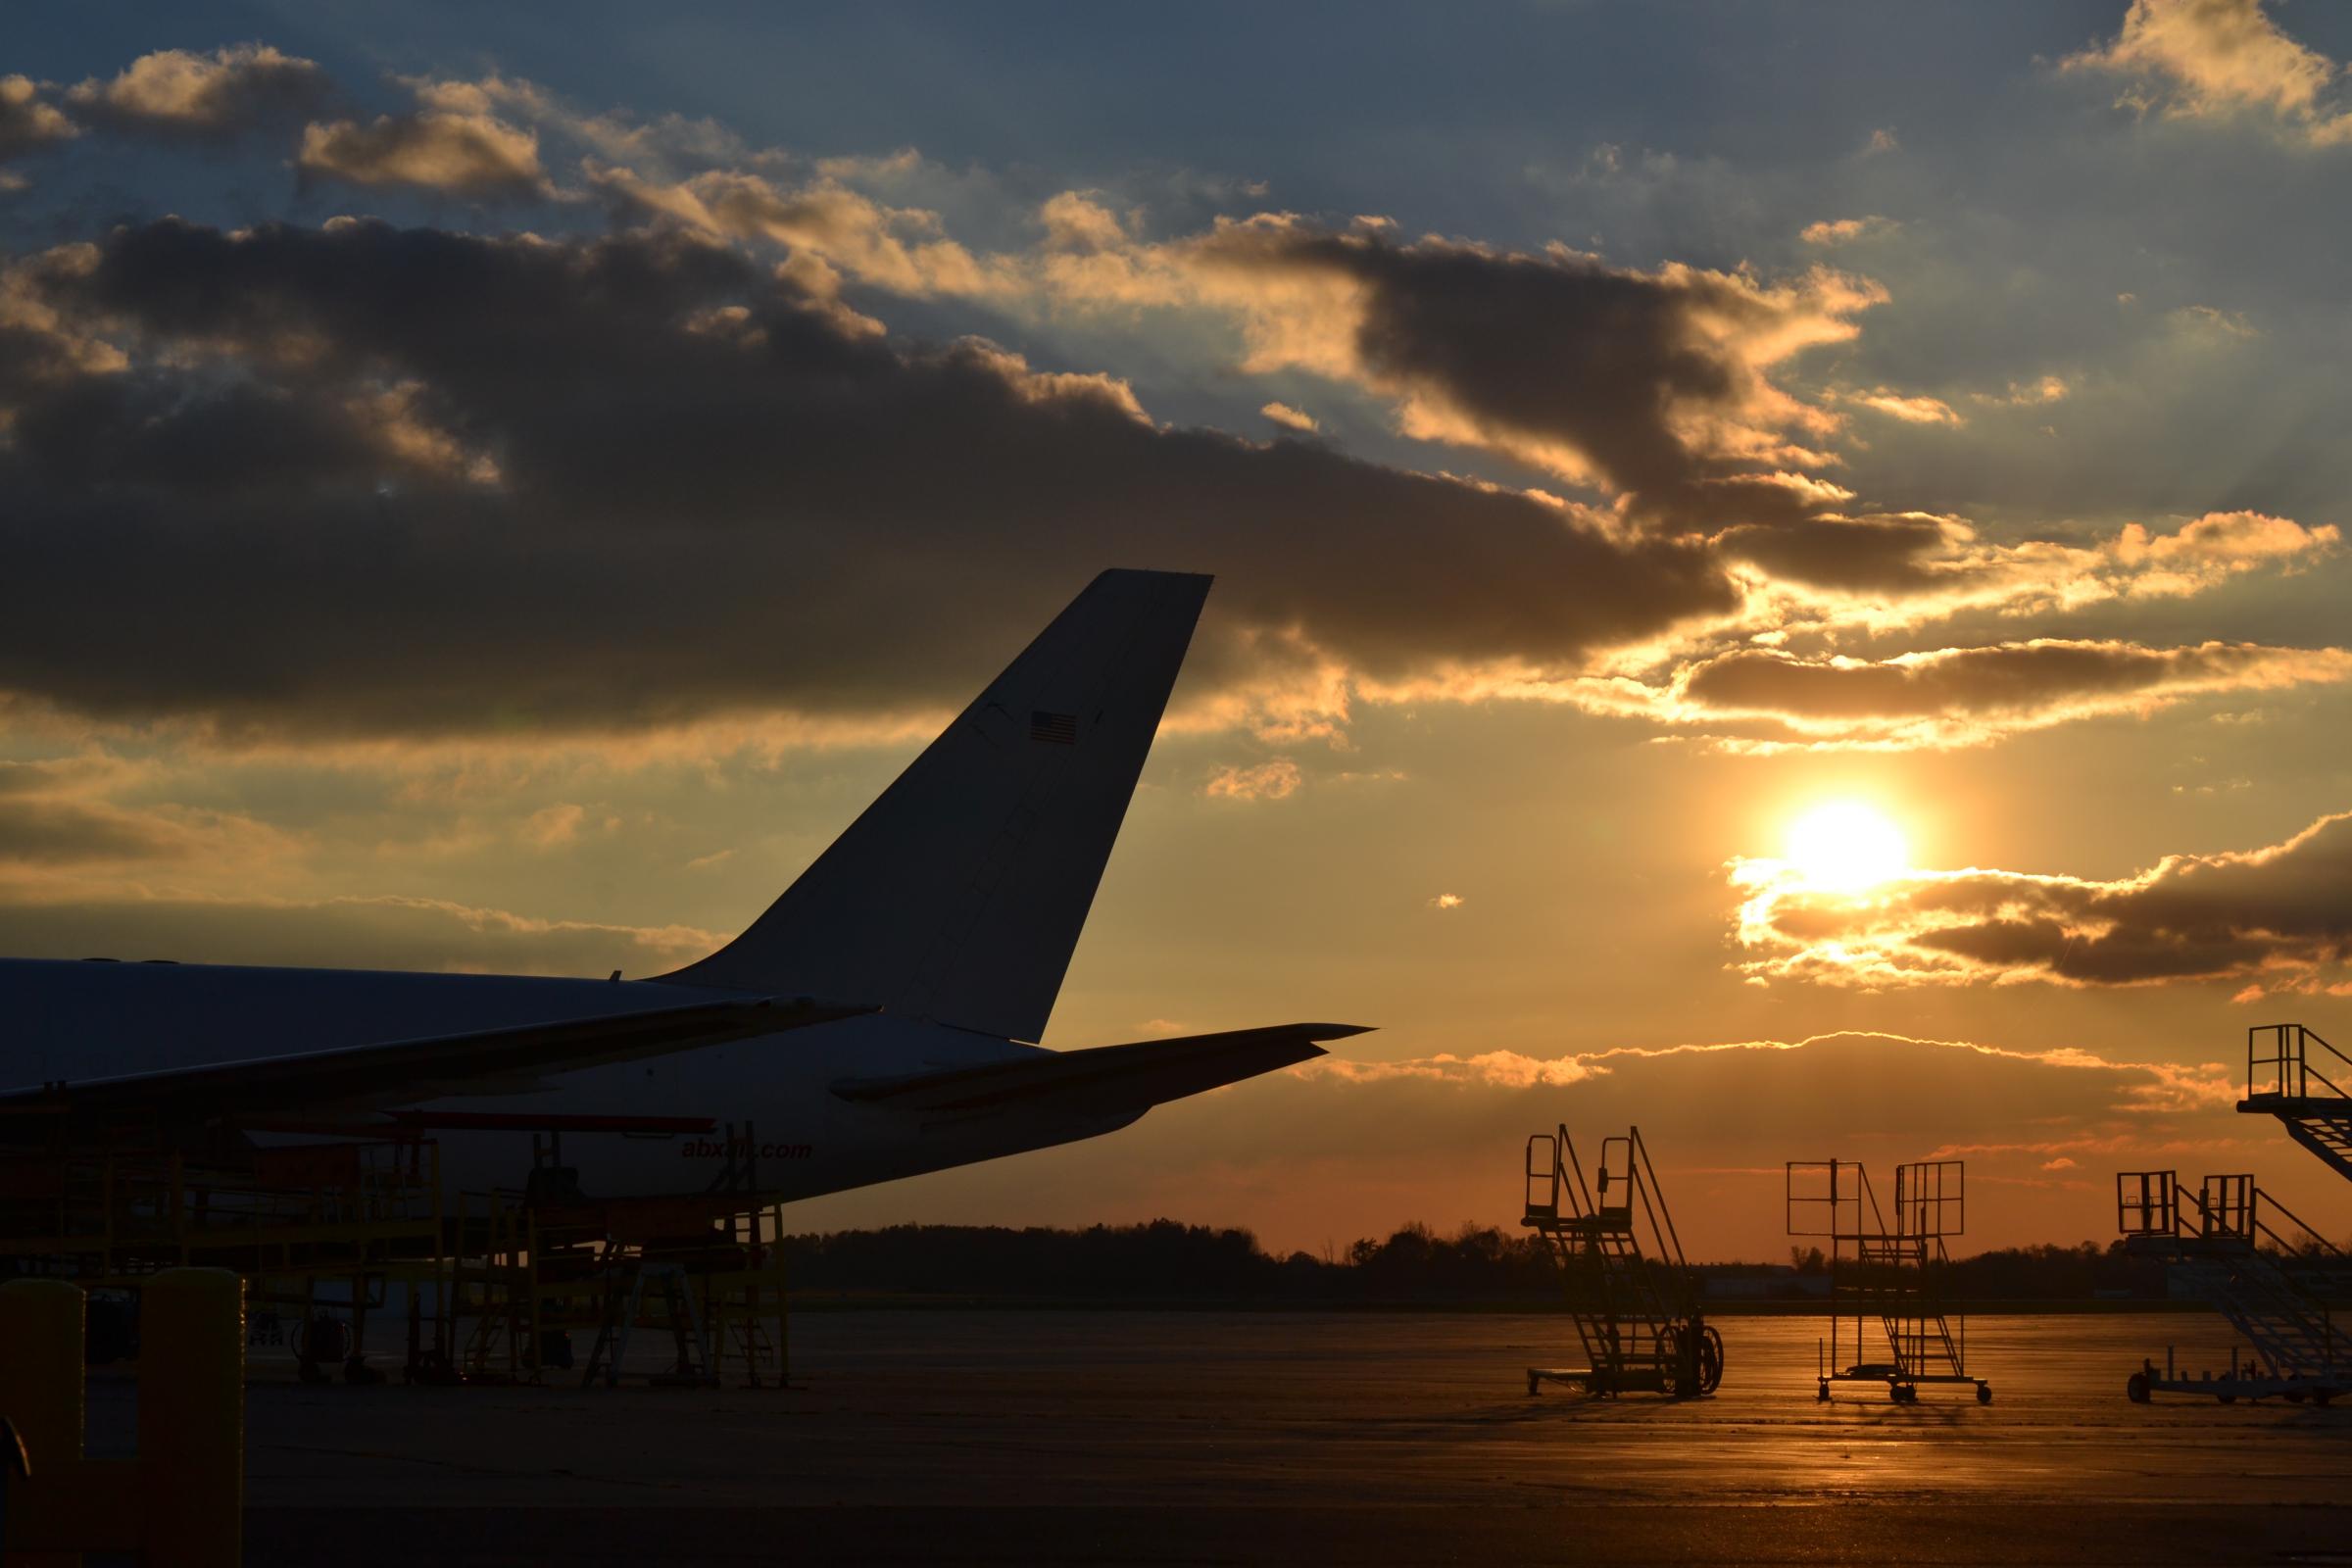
(1205, 1436)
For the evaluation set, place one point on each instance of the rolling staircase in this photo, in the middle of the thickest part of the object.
(2269, 1284)
(1634, 1310)
(2294, 1076)
(1886, 1273)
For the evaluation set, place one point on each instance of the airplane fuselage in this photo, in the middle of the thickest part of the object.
(763, 1106)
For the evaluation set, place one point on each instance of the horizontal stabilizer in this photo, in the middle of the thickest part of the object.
(1105, 1079)
(408, 1072)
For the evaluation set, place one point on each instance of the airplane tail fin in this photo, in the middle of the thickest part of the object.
(959, 894)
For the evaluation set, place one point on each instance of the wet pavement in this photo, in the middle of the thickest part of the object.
(1182, 1437)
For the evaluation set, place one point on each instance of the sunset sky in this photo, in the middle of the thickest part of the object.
(1781, 567)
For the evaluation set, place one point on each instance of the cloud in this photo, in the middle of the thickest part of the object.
(1843, 230)
(1734, 681)
(392, 932)
(564, 439)
(27, 122)
(56, 832)
(662, 142)
(2030, 394)
(456, 153)
(1953, 696)
(59, 825)
(1652, 385)
(1288, 418)
(1910, 408)
(2276, 916)
(1276, 780)
(223, 94)
(555, 826)
(899, 249)
(1493, 1069)
(2214, 59)
(1893, 570)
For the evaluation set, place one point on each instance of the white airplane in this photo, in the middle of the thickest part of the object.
(876, 1023)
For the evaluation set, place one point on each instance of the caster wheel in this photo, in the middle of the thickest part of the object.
(1824, 1396)
(2136, 1389)
(1983, 1393)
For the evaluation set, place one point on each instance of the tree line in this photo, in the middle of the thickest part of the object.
(1166, 1261)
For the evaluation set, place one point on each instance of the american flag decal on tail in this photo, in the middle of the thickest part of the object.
(1059, 729)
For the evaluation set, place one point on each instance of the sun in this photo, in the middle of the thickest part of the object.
(1846, 846)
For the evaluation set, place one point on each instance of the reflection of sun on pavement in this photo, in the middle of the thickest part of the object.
(1846, 847)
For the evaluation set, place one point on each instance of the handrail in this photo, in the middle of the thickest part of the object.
(1654, 1193)
(1575, 1166)
(2290, 1059)
(2159, 1204)
(2325, 1247)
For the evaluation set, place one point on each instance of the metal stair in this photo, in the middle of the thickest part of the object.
(1886, 1271)
(1635, 1312)
(2294, 1076)
(2268, 1283)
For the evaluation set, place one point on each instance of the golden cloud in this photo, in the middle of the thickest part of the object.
(1843, 230)
(1910, 408)
(218, 94)
(461, 154)
(1276, 780)
(1950, 697)
(2276, 916)
(2212, 59)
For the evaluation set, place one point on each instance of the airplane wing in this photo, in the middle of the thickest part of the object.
(1103, 1079)
(406, 1071)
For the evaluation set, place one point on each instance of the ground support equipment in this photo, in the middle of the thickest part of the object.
(2294, 1076)
(1636, 1310)
(1887, 1274)
(2271, 1281)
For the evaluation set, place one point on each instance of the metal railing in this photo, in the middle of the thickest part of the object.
(2225, 1208)
(2286, 1071)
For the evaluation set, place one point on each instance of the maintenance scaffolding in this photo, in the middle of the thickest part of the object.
(1890, 1275)
(1636, 1310)
(332, 1234)
(2271, 1281)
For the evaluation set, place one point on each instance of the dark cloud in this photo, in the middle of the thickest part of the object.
(217, 96)
(2279, 916)
(360, 476)
(1886, 553)
(397, 933)
(1655, 381)
(49, 832)
(2032, 680)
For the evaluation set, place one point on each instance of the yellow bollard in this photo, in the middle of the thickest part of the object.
(41, 1324)
(192, 1416)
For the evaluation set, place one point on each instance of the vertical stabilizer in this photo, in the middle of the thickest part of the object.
(959, 894)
